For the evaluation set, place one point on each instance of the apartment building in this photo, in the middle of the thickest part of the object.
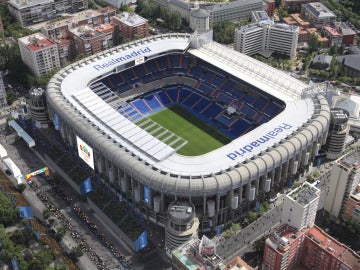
(91, 40)
(60, 29)
(265, 37)
(29, 12)
(352, 206)
(318, 14)
(131, 26)
(343, 180)
(311, 248)
(294, 5)
(300, 206)
(39, 53)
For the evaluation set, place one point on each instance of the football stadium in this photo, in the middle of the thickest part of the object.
(178, 117)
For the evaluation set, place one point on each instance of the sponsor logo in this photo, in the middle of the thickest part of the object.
(256, 143)
(120, 59)
(84, 149)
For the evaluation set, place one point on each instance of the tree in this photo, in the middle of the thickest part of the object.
(8, 212)
(259, 245)
(21, 187)
(314, 43)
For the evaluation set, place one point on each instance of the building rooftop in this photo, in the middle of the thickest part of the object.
(104, 28)
(72, 19)
(283, 237)
(131, 19)
(352, 60)
(296, 17)
(85, 32)
(304, 194)
(236, 263)
(332, 31)
(320, 10)
(20, 4)
(351, 160)
(36, 41)
(188, 254)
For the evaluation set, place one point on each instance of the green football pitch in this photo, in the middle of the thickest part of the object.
(202, 138)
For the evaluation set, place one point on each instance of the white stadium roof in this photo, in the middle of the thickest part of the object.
(162, 156)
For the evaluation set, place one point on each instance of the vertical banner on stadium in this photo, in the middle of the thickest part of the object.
(147, 194)
(85, 152)
(86, 186)
(56, 121)
(141, 242)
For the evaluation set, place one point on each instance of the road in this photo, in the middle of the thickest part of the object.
(241, 242)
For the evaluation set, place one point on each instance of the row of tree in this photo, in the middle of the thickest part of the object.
(159, 15)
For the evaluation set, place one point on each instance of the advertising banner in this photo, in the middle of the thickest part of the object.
(85, 152)
(141, 242)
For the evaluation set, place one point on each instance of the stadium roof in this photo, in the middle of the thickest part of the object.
(152, 151)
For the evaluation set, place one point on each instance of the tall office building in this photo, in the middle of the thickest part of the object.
(265, 37)
(39, 53)
(343, 181)
(300, 206)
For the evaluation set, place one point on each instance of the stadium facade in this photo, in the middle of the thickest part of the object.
(278, 124)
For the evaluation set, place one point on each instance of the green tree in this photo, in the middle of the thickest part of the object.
(224, 32)
(314, 43)
(21, 187)
(8, 212)
(259, 245)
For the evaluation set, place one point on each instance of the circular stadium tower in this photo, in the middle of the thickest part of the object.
(338, 131)
(178, 116)
(37, 107)
(182, 225)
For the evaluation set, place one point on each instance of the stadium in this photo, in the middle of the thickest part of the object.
(180, 117)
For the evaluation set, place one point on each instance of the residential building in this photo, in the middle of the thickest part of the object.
(338, 131)
(39, 53)
(236, 263)
(342, 182)
(350, 65)
(311, 248)
(294, 5)
(131, 26)
(60, 29)
(91, 40)
(321, 61)
(265, 37)
(324, 41)
(318, 14)
(352, 206)
(269, 7)
(300, 206)
(340, 34)
(31, 12)
(335, 36)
